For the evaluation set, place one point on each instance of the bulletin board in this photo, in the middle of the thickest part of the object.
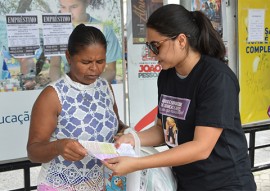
(24, 72)
(254, 61)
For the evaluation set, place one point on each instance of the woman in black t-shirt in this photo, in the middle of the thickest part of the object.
(200, 93)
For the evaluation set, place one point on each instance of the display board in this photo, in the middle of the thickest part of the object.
(143, 70)
(254, 60)
(33, 39)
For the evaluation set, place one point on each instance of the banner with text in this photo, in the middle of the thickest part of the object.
(254, 60)
(143, 70)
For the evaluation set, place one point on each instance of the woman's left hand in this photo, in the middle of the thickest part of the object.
(123, 138)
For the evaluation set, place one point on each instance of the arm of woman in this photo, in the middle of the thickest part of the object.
(197, 149)
(155, 132)
(43, 122)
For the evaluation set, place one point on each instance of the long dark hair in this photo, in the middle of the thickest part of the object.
(170, 20)
(83, 36)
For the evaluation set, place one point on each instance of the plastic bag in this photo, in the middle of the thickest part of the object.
(153, 179)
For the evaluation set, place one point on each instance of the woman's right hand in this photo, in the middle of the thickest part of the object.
(123, 138)
(70, 149)
(122, 165)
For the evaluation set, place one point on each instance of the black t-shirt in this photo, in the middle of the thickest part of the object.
(208, 96)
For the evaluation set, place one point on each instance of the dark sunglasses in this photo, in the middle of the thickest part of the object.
(154, 45)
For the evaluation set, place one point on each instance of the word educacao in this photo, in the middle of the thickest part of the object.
(21, 118)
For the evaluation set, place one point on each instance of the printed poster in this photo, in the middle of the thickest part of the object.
(141, 10)
(32, 49)
(143, 70)
(212, 9)
(56, 31)
(22, 34)
(254, 60)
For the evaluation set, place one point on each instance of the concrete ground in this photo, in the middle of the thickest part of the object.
(262, 156)
(262, 179)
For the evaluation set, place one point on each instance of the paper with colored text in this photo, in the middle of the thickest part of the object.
(103, 150)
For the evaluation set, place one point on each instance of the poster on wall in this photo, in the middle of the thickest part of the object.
(22, 35)
(56, 30)
(141, 10)
(254, 59)
(212, 9)
(23, 76)
(143, 70)
(215, 10)
(30, 63)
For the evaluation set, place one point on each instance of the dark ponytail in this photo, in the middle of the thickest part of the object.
(172, 19)
(209, 40)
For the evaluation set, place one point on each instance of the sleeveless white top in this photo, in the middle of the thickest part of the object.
(87, 114)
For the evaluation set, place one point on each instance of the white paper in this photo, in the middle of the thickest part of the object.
(256, 23)
(56, 31)
(126, 150)
(23, 34)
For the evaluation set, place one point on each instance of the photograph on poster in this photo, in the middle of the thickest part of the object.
(212, 9)
(27, 67)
